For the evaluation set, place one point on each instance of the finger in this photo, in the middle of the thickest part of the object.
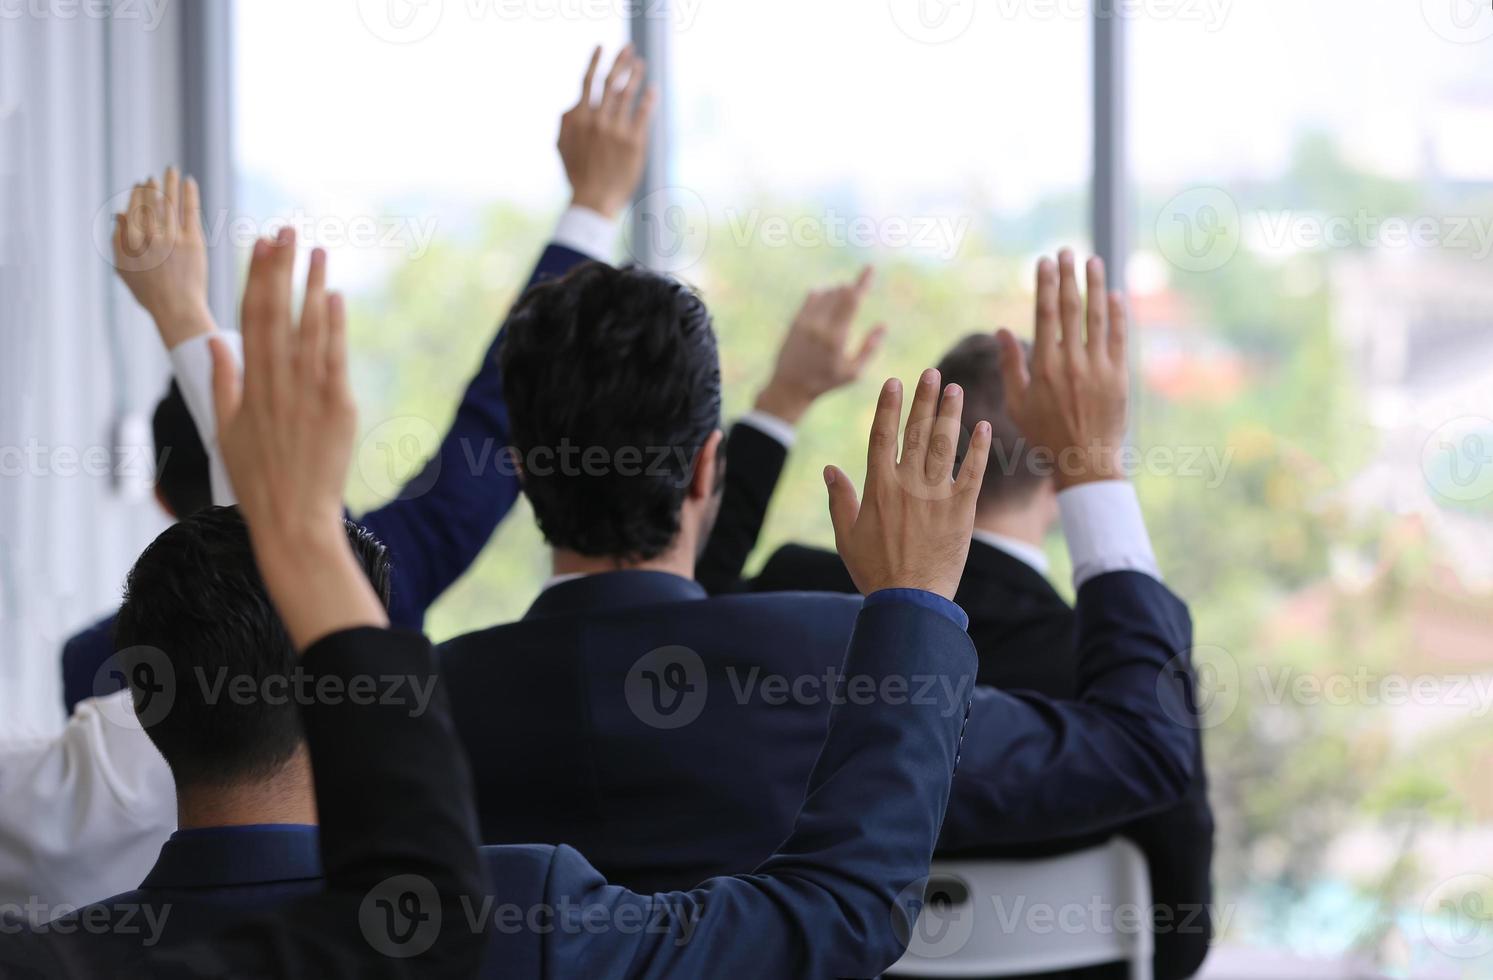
(227, 384)
(1070, 304)
(627, 105)
(1015, 378)
(335, 375)
(191, 207)
(171, 203)
(844, 505)
(920, 422)
(869, 349)
(864, 280)
(252, 323)
(1119, 330)
(944, 443)
(310, 358)
(590, 79)
(646, 105)
(277, 332)
(1098, 307)
(132, 221)
(148, 211)
(841, 305)
(881, 452)
(1045, 338)
(611, 88)
(976, 458)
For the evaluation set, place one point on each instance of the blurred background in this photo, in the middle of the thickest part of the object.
(1298, 195)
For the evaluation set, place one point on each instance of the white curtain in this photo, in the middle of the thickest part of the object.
(91, 100)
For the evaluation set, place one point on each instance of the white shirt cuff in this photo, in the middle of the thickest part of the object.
(1105, 531)
(192, 361)
(583, 230)
(771, 425)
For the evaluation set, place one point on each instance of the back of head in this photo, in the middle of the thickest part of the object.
(1012, 476)
(181, 459)
(195, 601)
(613, 386)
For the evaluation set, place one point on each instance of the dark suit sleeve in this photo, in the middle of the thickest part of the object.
(443, 517)
(83, 657)
(398, 831)
(754, 463)
(1036, 769)
(839, 896)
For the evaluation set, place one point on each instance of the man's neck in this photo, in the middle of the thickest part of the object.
(676, 561)
(288, 797)
(1027, 526)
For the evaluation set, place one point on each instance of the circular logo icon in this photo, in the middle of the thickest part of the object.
(1459, 21)
(130, 257)
(400, 458)
(670, 230)
(1457, 916)
(401, 916)
(1199, 229)
(1205, 696)
(666, 688)
(1457, 459)
(151, 679)
(934, 917)
(932, 21)
(401, 21)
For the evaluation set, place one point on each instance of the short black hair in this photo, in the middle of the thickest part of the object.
(974, 364)
(181, 459)
(195, 598)
(619, 367)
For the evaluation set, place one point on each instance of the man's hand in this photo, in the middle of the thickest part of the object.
(813, 360)
(913, 530)
(1071, 401)
(287, 434)
(605, 143)
(160, 253)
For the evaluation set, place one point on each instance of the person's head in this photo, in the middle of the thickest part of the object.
(1014, 482)
(182, 484)
(613, 385)
(196, 596)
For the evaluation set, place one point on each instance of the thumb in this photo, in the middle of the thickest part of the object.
(227, 388)
(844, 507)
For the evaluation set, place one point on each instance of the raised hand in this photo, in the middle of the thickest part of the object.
(286, 429)
(160, 253)
(814, 359)
(1071, 401)
(604, 142)
(913, 529)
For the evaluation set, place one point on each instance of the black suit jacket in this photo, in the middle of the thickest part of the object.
(1026, 637)
(405, 892)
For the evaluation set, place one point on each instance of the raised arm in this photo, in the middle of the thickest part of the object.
(1036, 769)
(839, 897)
(815, 358)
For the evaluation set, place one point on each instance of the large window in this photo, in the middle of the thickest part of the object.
(1315, 222)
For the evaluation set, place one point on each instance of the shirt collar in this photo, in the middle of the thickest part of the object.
(1023, 552)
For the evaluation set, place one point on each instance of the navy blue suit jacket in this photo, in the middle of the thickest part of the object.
(836, 899)
(553, 704)
(434, 529)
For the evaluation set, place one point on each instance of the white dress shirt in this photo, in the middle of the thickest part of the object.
(83, 814)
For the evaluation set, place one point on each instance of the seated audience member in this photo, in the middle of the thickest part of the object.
(95, 815)
(669, 735)
(443, 517)
(240, 889)
(1023, 629)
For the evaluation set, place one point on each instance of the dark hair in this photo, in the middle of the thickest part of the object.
(181, 459)
(1012, 476)
(195, 598)
(618, 366)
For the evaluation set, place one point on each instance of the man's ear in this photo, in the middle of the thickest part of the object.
(161, 499)
(517, 458)
(703, 481)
